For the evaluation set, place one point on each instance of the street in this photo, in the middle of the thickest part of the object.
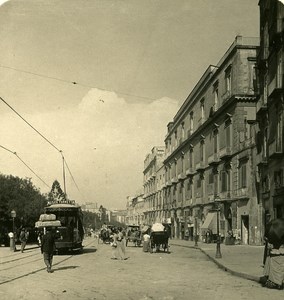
(183, 274)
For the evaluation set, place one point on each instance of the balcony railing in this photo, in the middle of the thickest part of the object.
(189, 172)
(275, 149)
(213, 159)
(225, 152)
(200, 166)
(174, 180)
(181, 176)
(226, 96)
(242, 192)
(275, 87)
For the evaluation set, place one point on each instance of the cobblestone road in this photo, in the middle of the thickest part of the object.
(182, 274)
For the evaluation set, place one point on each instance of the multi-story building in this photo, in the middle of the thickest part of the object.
(210, 150)
(152, 164)
(270, 158)
(136, 209)
(118, 216)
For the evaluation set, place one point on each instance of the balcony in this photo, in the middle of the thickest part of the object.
(189, 132)
(200, 166)
(279, 190)
(226, 96)
(275, 87)
(174, 180)
(181, 176)
(189, 172)
(275, 149)
(242, 193)
(225, 153)
(200, 121)
(261, 160)
(261, 107)
(213, 159)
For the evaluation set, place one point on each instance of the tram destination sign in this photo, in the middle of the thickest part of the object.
(71, 202)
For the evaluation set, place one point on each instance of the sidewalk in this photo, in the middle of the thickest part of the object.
(6, 253)
(240, 260)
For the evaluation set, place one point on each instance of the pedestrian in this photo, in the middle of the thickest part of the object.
(47, 248)
(120, 240)
(146, 241)
(24, 235)
(113, 243)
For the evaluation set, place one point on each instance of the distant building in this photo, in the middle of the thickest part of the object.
(91, 207)
(152, 163)
(119, 216)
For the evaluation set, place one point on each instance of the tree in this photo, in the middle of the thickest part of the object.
(22, 196)
(56, 193)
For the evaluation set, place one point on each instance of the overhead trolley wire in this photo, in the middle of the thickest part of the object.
(29, 124)
(60, 151)
(15, 153)
(72, 177)
(74, 82)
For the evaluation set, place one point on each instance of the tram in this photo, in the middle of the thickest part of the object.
(70, 233)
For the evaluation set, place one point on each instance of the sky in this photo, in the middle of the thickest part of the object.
(100, 80)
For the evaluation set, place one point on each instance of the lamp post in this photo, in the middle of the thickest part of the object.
(195, 227)
(218, 245)
(12, 239)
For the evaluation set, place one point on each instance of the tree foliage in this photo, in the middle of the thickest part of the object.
(56, 192)
(22, 196)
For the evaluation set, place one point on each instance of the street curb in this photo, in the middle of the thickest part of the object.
(223, 267)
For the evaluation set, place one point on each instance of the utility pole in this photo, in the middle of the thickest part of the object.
(64, 183)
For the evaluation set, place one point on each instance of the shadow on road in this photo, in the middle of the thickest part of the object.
(65, 268)
(89, 250)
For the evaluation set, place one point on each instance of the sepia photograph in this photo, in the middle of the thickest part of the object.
(141, 149)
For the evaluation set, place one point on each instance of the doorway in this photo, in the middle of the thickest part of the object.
(245, 229)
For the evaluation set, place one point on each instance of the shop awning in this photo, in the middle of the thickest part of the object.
(210, 222)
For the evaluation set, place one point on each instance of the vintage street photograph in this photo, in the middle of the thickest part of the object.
(141, 149)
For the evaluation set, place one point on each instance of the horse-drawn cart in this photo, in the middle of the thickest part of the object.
(159, 238)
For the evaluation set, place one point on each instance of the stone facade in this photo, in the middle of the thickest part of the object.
(270, 158)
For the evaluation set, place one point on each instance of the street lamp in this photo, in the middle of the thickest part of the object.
(13, 246)
(218, 245)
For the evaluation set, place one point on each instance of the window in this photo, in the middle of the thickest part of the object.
(182, 130)
(202, 151)
(224, 183)
(279, 132)
(175, 139)
(202, 111)
(182, 163)
(243, 174)
(278, 178)
(215, 141)
(191, 122)
(216, 95)
(191, 158)
(228, 79)
(228, 134)
(211, 178)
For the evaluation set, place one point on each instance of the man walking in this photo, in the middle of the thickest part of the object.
(47, 248)
(24, 235)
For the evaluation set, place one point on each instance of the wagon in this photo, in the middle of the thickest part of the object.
(159, 240)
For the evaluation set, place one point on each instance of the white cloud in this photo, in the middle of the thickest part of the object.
(104, 139)
(3, 1)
